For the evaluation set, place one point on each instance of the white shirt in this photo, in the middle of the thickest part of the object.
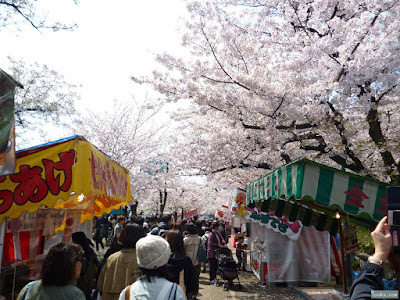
(143, 290)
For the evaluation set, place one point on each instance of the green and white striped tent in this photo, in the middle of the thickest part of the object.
(313, 193)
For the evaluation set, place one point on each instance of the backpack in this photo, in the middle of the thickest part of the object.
(87, 280)
(202, 252)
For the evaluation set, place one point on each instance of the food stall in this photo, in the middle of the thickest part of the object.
(56, 190)
(293, 211)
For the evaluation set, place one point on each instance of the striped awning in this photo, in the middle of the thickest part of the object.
(320, 188)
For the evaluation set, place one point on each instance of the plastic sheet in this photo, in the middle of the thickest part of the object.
(304, 260)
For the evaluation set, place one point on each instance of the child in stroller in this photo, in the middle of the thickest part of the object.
(228, 269)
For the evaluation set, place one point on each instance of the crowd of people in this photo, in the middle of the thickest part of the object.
(147, 258)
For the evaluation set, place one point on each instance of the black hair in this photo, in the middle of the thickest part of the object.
(80, 238)
(190, 228)
(130, 235)
(151, 273)
(199, 223)
(59, 264)
(138, 220)
(166, 218)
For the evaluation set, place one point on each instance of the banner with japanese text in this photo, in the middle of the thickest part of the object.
(70, 174)
(281, 225)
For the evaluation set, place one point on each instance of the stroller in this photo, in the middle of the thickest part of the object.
(228, 269)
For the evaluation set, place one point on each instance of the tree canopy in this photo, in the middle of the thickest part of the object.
(271, 81)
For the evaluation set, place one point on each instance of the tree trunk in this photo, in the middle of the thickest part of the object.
(134, 208)
(125, 210)
(163, 200)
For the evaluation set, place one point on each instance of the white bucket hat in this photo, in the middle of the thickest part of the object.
(152, 252)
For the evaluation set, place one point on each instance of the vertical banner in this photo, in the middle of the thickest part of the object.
(72, 222)
(350, 240)
(7, 126)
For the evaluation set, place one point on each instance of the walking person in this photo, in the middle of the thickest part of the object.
(98, 233)
(153, 253)
(180, 268)
(192, 242)
(204, 240)
(121, 220)
(215, 241)
(244, 254)
(239, 251)
(121, 268)
(90, 264)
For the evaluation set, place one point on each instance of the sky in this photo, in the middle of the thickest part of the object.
(114, 40)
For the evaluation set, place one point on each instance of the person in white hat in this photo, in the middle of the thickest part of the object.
(152, 254)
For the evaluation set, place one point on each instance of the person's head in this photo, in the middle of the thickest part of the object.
(244, 246)
(151, 221)
(80, 238)
(240, 239)
(198, 223)
(130, 235)
(175, 240)
(62, 264)
(146, 227)
(152, 255)
(190, 229)
(178, 227)
(121, 220)
(138, 220)
(115, 243)
(215, 227)
(167, 219)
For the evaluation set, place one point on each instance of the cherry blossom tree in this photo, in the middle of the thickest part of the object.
(45, 97)
(270, 81)
(16, 13)
(134, 135)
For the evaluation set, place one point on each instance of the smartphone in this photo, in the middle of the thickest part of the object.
(393, 201)
(394, 217)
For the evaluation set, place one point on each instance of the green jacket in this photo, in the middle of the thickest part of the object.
(37, 291)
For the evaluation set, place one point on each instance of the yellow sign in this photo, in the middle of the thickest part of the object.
(71, 174)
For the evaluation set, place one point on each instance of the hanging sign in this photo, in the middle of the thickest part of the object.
(36, 221)
(350, 240)
(281, 225)
(224, 216)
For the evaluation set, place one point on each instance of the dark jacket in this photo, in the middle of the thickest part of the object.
(199, 231)
(370, 278)
(160, 230)
(176, 264)
(212, 244)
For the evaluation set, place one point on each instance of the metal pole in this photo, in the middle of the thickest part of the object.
(342, 254)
